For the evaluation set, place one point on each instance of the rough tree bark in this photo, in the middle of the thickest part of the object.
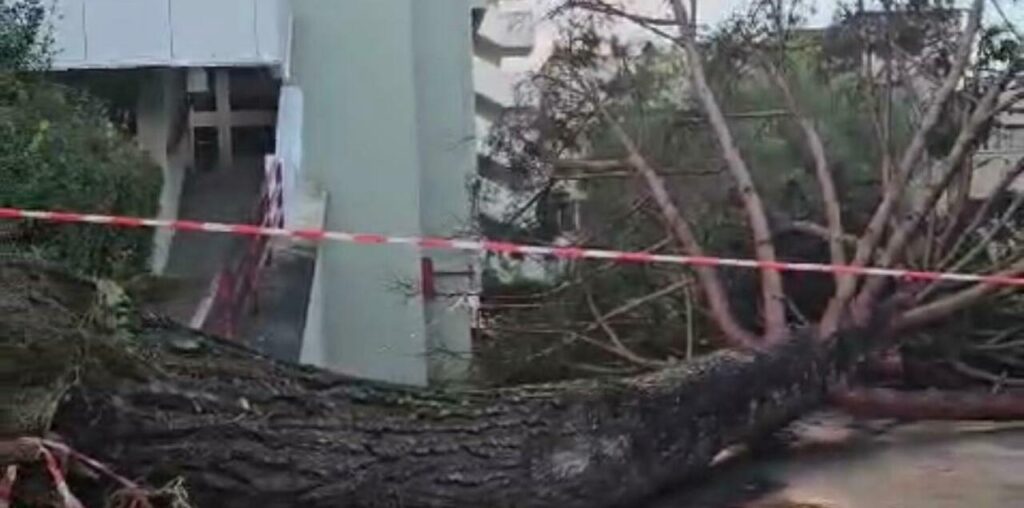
(247, 431)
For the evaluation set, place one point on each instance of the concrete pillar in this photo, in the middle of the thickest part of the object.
(225, 137)
(447, 149)
(159, 113)
(388, 132)
(354, 62)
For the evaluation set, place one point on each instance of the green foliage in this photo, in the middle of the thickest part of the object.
(60, 153)
(671, 133)
(648, 90)
(24, 39)
(840, 106)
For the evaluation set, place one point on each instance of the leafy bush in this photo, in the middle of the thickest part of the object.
(61, 153)
(24, 37)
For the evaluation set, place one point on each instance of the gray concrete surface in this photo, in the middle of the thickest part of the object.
(277, 321)
(843, 464)
(196, 258)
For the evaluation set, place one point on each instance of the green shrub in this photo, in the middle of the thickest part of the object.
(59, 152)
(25, 38)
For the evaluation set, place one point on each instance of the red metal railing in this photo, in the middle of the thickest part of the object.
(237, 286)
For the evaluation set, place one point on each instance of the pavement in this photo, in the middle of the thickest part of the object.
(276, 321)
(276, 325)
(841, 463)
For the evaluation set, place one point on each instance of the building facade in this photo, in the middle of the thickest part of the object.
(372, 109)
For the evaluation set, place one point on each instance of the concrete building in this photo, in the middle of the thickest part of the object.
(372, 108)
(1000, 153)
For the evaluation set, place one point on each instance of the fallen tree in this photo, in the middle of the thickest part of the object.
(164, 402)
(839, 162)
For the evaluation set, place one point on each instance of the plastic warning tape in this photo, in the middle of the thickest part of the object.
(570, 253)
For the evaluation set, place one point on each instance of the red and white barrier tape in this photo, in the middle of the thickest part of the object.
(7, 481)
(59, 482)
(501, 247)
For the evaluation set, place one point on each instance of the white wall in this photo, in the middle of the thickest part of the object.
(354, 61)
(998, 156)
(289, 150)
(179, 33)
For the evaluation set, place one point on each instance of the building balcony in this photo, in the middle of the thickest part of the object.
(495, 85)
(506, 30)
(170, 33)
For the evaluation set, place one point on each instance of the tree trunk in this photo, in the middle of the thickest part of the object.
(245, 431)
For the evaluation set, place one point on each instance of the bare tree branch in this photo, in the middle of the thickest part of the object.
(830, 198)
(979, 247)
(617, 343)
(718, 299)
(768, 114)
(951, 225)
(988, 108)
(879, 129)
(982, 375)
(1011, 99)
(602, 370)
(631, 174)
(629, 306)
(1010, 25)
(982, 213)
(911, 157)
(942, 308)
(561, 288)
(1011, 258)
(622, 353)
(817, 230)
(690, 332)
(580, 169)
(773, 297)
(949, 168)
(650, 24)
(1007, 217)
(644, 300)
(589, 165)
